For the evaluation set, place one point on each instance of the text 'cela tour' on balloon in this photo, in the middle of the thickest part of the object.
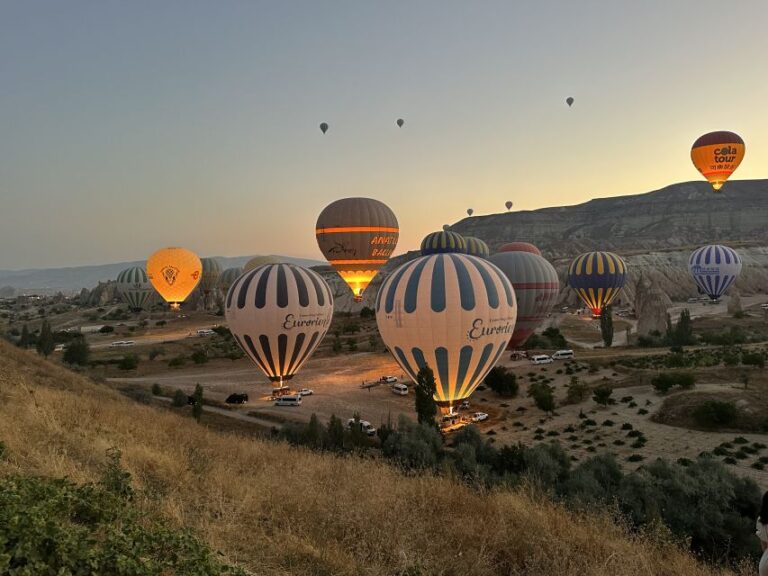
(357, 236)
(597, 277)
(717, 155)
(714, 268)
(174, 272)
(278, 314)
(452, 312)
(134, 288)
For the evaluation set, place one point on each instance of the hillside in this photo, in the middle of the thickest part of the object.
(278, 510)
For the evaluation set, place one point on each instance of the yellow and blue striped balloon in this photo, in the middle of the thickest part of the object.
(476, 247)
(443, 242)
(597, 278)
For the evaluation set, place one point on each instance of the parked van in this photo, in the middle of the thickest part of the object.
(205, 332)
(365, 426)
(293, 400)
(563, 355)
(400, 389)
(541, 359)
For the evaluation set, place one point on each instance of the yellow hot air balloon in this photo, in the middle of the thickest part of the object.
(357, 236)
(174, 272)
(717, 155)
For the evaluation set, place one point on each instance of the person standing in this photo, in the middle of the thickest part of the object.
(761, 531)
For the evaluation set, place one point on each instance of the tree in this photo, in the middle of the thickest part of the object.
(606, 326)
(157, 390)
(577, 391)
(335, 433)
(602, 395)
(197, 407)
(25, 340)
(426, 409)
(543, 396)
(336, 344)
(502, 381)
(45, 342)
(179, 398)
(77, 352)
(128, 362)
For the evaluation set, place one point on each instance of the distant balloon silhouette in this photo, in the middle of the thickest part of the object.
(508, 204)
(470, 211)
(446, 227)
(400, 122)
(324, 127)
(569, 101)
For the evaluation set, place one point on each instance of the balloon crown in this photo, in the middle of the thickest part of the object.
(443, 242)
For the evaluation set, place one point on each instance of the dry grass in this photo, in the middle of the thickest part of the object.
(279, 510)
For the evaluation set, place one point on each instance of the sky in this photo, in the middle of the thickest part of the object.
(128, 126)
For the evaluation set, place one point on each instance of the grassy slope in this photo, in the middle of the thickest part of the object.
(279, 510)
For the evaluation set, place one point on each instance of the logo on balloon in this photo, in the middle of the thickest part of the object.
(170, 274)
(480, 330)
(699, 270)
(305, 321)
(339, 248)
(725, 154)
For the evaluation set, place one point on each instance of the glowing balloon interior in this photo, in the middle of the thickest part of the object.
(597, 278)
(174, 272)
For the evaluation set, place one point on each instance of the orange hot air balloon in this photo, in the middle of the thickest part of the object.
(357, 236)
(717, 155)
(174, 272)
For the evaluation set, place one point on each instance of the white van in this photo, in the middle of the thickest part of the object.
(541, 359)
(293, 400)
(563, 355)
(205, 332)
(400, 389)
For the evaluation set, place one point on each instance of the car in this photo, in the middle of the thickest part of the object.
(237, 398)
(563, 355)
(479, 416)
(205, 332)
(306, 392)
(764, 306)
(541, 359)
(365, 426)
(400, 389)
(388, 379)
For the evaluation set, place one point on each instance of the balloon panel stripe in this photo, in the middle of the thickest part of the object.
(267, 350)
(437, 296)
(282, 287)
(441, 359)
(412, 286)
(490, 286)
(297, 345)
(301, 287)
(466, 290)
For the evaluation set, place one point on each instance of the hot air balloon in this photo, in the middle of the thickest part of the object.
(717, 155)
(228, 278)
(257, 261)
(508, 204)
(278, 314)
(470, 211)
(442, 242)
(452, 312)
(597, 278)
(400, 122)
(134, 288)
(714, 268)
(569, 101)
(357, 236)
(476, 247)
(174, 272)
(519, 247)
(536, 288)
(323, 127)
(209, 278)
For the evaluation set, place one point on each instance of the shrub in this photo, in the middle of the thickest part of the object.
(78, 352)
(502, 381)
(199, 357)
(626, 426)
(635, 458)
(128, 362)
(106, 329)
(177, 362)
(602, 395)
(179, 398)
(753, 359)
(715, 414)
(157, 390)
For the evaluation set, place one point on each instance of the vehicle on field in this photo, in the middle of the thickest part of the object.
(237, 399)
(306, 392)
(563, 355)
(291, 400)
(479, 417)
(364, 425)
(541, 359)
(205, 332)
(400, 389)
(388, 379)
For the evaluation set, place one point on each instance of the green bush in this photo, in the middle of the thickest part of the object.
(157, 390)
(107, 329)
(199, 357)
(715, 414)
(179, 398)
(128, 362)
(502, 381)
(665, 381)
(177, 362)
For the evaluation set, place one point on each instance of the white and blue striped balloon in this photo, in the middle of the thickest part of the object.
(714, 268)
(452, 312)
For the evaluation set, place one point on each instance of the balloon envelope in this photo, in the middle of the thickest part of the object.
(443, 242)
(257, 261)
(470, 211)
(323, 127)
(597, 278)
(569, 101)
(210, 275)
(476, 247)
(174, 272)
(278, 314)
(357, 236)
(508, 204)
(714, 268)
(519, 247)
(452, 312)
(134, 287)
(717, 155)
(400, 122)
(536, 288)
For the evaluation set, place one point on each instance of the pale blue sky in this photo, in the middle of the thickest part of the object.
(127, 126)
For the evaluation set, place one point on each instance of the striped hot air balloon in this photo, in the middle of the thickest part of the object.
(597, 278)
(210, 276)
(519, 247)
(452, 312)
(476, 247)
(228, 278)
(714, 268)
(357, 236)
(536, 287)
(134, 288)
(278, 314)
(257, 261)
(443, 242)
(174, 273)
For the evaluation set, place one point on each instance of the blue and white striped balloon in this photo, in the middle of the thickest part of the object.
(714, 268)
(134, 288)
(278, 314)
(452, 312)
